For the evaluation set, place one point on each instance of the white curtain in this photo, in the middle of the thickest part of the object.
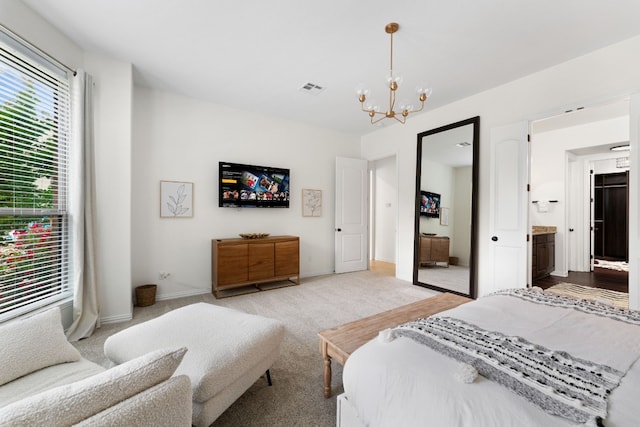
(86, 314)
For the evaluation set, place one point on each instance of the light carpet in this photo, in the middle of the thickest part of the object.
(454, 278)
(617, 299)
(612, 265)
(296, 397)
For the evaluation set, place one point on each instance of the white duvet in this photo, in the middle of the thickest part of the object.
(404, 383)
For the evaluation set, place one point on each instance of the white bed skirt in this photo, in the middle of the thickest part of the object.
(346, 414)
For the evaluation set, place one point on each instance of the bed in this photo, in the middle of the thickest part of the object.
(418, 375)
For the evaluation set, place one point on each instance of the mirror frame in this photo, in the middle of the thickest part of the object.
(475, 121)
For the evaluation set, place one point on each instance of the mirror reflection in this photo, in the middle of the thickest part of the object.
(446, 180)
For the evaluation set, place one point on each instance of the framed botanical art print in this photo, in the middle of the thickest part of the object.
(444, 216)
(176, 199)
(311, 202)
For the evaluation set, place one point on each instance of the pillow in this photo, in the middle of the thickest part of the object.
(27, 345)
(72, 403)
(166, 404)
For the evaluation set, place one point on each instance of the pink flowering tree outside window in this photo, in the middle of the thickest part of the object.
(26, 258)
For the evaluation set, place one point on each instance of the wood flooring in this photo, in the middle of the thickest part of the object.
(600, 278)
(382, 267)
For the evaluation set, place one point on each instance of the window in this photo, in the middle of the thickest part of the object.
(34, 135)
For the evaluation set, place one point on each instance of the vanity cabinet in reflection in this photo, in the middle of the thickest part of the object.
(543, 260)
(434, 249)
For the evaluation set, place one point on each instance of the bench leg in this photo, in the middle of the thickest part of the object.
(269, 378)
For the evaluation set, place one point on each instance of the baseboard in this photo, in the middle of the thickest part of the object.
(316, 274)
(200, 291)
(116, 319)
(182, 294)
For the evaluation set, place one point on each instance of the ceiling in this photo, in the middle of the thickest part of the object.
(256, 54)
(453, 147)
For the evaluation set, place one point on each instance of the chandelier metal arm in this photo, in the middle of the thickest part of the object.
(402, 120)
(384, 116)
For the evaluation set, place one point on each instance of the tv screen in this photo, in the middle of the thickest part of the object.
(249, 186)
(429, 204)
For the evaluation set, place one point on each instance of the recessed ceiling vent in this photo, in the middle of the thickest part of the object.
(622, 162)
(312, 88)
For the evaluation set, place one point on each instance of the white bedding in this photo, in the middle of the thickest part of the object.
(404, 383)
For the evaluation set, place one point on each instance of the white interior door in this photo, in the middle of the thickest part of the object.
(351, 215)
(592, 223)
(509, 199)
(575, 201)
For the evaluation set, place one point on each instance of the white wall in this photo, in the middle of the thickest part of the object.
(20, 19)
(454, 186)
(437, 178)
(113, 94)
(549, 169)
(182, 139)
(601, 74)
(385, 208)
(113, 149)
(461, 215)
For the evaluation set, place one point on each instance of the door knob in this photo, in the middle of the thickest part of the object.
(494, 238)
(338, 229)
(571, 229)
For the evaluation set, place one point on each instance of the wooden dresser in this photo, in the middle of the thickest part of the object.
(434, 249)
(250, 262)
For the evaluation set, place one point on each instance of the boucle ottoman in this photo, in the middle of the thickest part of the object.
(228, 351)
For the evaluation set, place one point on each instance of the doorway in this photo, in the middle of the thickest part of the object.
(611, 217)
(567, 151)
(383, 196)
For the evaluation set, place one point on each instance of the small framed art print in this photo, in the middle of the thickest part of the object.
(176, 199)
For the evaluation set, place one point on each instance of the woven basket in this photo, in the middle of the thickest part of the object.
(146, 295)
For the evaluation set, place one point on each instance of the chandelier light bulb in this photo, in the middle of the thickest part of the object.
(423, 88)
(372, 106)
(362, 89)
(393, 81)
(406, 105)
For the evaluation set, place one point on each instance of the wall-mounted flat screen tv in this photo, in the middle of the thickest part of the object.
(429, 204)
(250, 186)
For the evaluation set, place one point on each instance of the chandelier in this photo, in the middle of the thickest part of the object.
(393, 82)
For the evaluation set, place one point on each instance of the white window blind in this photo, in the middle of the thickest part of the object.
(34, 135)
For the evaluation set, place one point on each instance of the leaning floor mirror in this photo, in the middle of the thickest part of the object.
(446, 208)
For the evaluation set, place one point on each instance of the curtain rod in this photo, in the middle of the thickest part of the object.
(16, 37)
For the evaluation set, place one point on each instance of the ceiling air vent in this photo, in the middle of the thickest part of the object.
(622, 162)
(312, 88)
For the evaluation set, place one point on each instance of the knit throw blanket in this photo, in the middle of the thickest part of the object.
(555, 381)
(583, 305)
